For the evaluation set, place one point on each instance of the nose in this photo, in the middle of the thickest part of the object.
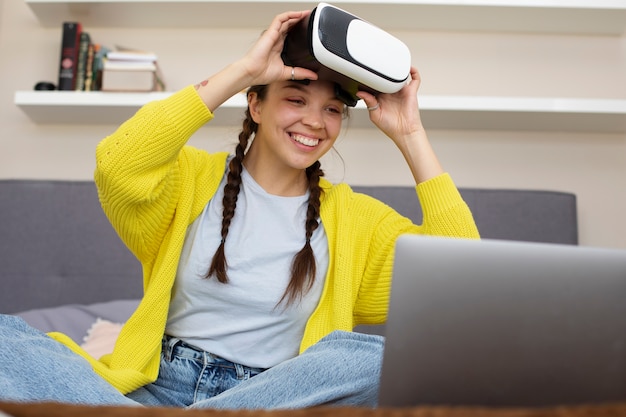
(314, 119)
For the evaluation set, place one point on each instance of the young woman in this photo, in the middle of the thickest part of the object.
(256, 268)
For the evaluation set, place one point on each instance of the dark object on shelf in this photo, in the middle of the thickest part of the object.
(45, 86)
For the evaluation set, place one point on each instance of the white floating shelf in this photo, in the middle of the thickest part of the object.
(438, 112)
(596, 17)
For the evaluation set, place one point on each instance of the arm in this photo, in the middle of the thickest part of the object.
(397, 115)
(262, 64)
(138, 169)
(139, 166)
(445, 214)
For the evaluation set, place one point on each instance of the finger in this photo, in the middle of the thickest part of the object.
(374, 107)
(298, 73)
(285, 21)
(415, 77)
(415, 74)
(371, 102)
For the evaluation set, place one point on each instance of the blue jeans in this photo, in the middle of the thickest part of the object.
(342, 369)
(34, 367)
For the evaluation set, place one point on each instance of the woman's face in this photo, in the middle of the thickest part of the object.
(297, 123)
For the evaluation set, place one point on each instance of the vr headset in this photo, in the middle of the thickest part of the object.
(349, 51)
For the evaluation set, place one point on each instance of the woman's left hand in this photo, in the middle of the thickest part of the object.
(397, 114)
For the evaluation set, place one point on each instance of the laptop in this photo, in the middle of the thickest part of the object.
(503, 323)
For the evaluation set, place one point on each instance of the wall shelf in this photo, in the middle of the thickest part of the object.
(438, 112)
(585, 17)
(573, 17)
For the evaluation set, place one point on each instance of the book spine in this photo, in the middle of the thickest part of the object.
(99, 56)
(70, 38)
(89, 68)
(81, 63)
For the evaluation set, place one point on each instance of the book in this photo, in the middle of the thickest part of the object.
(129, 76)
(89, 77)
(70, 38)
(99, 56)
(127, 69)
(130, 55)
(81, 63)
(129, 66)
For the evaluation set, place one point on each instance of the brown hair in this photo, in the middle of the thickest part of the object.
(303, 266)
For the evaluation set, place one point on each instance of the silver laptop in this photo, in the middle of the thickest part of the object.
(502, 323)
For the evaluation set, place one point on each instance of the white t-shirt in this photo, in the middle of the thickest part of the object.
(241, 320)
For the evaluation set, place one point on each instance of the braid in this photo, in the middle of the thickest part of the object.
(303, 268)
(231, 191)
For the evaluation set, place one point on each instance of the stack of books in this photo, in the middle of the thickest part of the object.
(127, 70)
(88, 66)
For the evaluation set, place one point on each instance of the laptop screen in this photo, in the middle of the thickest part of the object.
(503, 323)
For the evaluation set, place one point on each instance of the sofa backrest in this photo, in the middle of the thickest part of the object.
(509, 214)
(57, 246)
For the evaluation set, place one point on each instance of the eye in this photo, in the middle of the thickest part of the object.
(336, 110)
(293, 100)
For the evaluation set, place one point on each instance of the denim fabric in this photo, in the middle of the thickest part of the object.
(34, 367)
(341, 369)
(188, 375)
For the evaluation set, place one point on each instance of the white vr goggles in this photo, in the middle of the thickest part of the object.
(353, 53)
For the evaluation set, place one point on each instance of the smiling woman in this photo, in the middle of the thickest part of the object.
(309, 114)
(256, 268)
(294, 125)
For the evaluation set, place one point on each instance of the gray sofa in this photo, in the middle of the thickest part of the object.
(57, 248)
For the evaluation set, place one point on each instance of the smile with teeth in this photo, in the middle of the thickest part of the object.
(305, 140)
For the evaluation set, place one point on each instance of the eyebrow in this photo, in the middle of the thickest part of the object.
(296, 85)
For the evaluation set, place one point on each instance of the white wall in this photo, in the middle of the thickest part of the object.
(591, 165)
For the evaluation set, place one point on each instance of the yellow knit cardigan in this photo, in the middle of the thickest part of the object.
(152, 186)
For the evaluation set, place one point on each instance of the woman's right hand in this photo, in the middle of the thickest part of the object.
(262, 64)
